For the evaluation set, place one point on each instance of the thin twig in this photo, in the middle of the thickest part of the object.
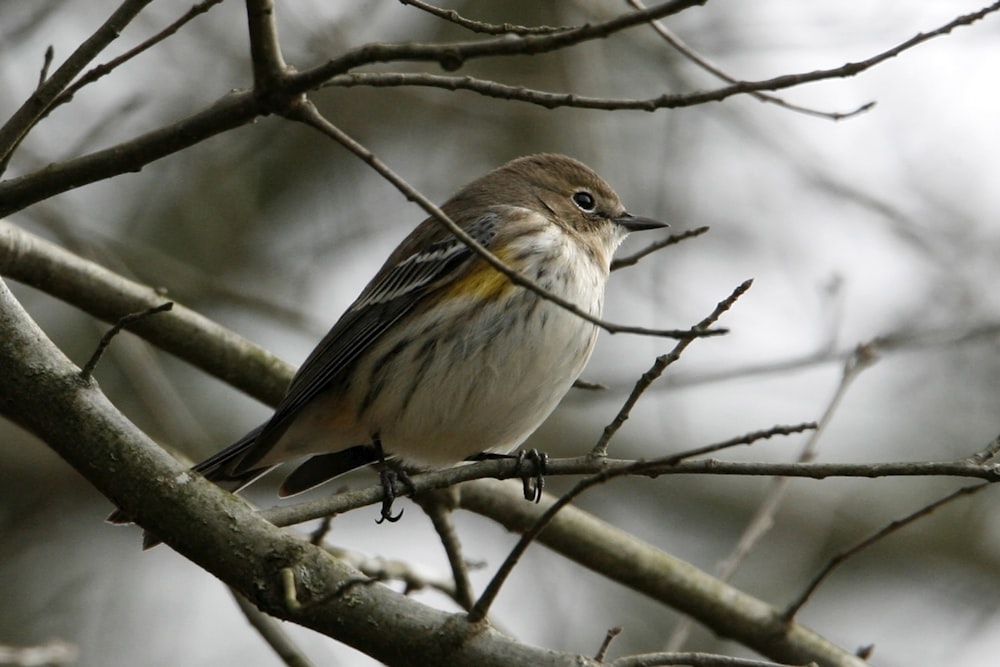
(689, 659)
(452, 56)
(453, 16)
(46, 64)
(102, 70)
(834, 562)
(317, 536)
(131, 318)
(309, 115)
(481, 609)
(609, 637)
(673, 40)
(673, 239)
(22, 120)
(763, 519)
(989, 452)
(272, 633)
(287, 515)
(484, 602)
(269, 67)
(600, 450)
(438, 505)
(239, 108)
(746, 439)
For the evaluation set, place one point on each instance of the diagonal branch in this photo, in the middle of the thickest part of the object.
(600, 450)
(452, 56)
(673, 40)
(104, 69)
(239, 108)
(308, 114)
(453, 16)
(19, 124)
(836, 561)
(106, 295)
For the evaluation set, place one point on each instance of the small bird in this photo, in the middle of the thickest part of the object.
(442, 357)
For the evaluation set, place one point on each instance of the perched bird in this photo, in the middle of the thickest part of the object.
(442, 357)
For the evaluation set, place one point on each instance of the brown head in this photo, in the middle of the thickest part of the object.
(567, 191)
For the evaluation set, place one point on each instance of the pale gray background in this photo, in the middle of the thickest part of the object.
(884, 223)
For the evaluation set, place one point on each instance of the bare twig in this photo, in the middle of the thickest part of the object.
(673, 40)
(287, 515)
(600, 450)
(692, 660)
(673, 239)
(319, 534)
(452, 56)
(269, 68)
(907, 338)
(834, 562)
(308, 114)
(46, 64)
(439, 505)
(746, 439)
(272, 633)
(763, 519)
(123, 322)
(625, 559)
(95, 73)
(484, 602)
(21, 122)
(389, 570)
(453, 16)
(609, 637)
(989, 452)
(238, 108)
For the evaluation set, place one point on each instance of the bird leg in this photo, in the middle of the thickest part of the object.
(387, 477)
(533, 480)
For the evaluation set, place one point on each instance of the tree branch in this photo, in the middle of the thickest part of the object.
(108, 296)
(19, 124)
(309, 115)
(44, 393)
(631, 562)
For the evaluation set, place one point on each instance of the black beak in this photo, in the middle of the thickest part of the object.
(636, 224)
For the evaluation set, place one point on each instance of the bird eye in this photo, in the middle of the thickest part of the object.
(585, 201)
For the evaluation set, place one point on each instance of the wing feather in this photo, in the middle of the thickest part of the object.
(393, 293)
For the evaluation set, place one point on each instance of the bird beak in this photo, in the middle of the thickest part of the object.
(636, 224)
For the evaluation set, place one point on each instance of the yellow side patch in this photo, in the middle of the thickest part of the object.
(482, 282)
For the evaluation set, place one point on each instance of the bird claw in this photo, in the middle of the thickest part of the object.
(534, 484)
(388, 478)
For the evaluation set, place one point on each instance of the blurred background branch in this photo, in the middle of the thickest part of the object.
(876, 229)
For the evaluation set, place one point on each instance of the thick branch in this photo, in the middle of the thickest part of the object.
(43, 392)
(631, 562)
(242, 107)
(106, 295)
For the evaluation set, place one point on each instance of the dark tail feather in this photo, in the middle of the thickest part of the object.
(218, 468)
(324, 467)
(221, 466)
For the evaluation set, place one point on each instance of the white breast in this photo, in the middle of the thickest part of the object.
(491, 384)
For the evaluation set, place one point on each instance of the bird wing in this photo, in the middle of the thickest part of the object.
(394, 292)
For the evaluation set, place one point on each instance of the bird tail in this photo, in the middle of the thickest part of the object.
(223, 469)
(323, 467)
